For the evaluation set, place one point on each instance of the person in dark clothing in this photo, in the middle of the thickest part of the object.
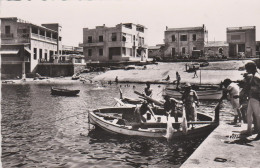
(148, 91)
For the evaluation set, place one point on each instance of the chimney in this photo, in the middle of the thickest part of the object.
(166, 27)
(203, 25)
(104, 25)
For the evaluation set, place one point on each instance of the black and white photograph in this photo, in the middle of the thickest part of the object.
(130, 83)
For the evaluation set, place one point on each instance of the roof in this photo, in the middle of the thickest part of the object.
(185, 28)
(216, 44)
(14, 51)
(26, 22)
(240, 28)
(154, 47)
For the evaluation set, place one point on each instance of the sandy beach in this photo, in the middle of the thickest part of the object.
(212, 74)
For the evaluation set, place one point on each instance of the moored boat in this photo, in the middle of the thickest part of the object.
(204, 92)
(119, 120)
(64, 92)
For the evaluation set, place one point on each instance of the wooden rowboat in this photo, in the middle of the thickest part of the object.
(64, 92)
(119, 120)
(204, 92)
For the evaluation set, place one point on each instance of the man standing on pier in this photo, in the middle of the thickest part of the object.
(254, 98)
(232, 91)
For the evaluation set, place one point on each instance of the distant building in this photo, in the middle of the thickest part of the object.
(124, 42)
(214, 49)
(242, 40)
(155, 51)
(24, 45)
(182, 41)
(72, 50)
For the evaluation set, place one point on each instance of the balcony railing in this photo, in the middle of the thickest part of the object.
(43, 38)
(7, 36)
(16, 41)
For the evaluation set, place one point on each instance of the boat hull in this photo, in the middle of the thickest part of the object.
(157, 132)
(64, 92)
(203, 95)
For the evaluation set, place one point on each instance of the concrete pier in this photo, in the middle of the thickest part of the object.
(225, 147)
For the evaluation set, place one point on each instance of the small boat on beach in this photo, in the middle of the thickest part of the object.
(64, 92)
(204, 92)
(119, 120)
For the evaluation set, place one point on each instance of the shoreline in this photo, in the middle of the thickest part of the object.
(155, 74)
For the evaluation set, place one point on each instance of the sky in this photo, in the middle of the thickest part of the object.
(74, 15)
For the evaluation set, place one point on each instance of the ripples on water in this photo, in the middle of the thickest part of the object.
(42, 130)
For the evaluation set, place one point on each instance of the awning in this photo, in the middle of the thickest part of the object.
(14, 51)
(27, 49)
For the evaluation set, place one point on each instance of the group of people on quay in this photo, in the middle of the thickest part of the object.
(244, 98)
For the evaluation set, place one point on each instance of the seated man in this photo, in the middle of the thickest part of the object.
(140, 111)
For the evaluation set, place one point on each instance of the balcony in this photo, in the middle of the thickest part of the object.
(7, 36)
(16, 41)
(43, 38)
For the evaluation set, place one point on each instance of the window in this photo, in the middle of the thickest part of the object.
(173, 52)
(40, 53)
(89, 39)
(183, 37)
(35, 53)
(89, 52)
(183, 50)
(194, 38)
(7, 29)
(194, 48)
(123, 50)
(173, 38)
(46, 54)
(100, 52)
(123, 37)
(113, 38)
(100, 39)
(235, 37)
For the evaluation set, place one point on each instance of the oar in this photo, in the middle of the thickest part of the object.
(149, 98)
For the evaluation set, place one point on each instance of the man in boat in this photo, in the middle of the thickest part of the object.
(254, 98)
(148, 91)
(232, 92)
(139, 112)
(170, 107)
(190, 100)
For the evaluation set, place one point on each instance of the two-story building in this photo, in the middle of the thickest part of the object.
(24, 45)
(182, 41)
(124, 42)
(241, 40)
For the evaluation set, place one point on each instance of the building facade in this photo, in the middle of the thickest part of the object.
(124, 42)
(242, 40)
(216, 49)
(24, 45)
(182, 41)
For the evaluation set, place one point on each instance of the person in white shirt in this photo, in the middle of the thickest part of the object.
(232, 91)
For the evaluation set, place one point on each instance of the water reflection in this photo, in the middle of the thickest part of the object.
(42, 130)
